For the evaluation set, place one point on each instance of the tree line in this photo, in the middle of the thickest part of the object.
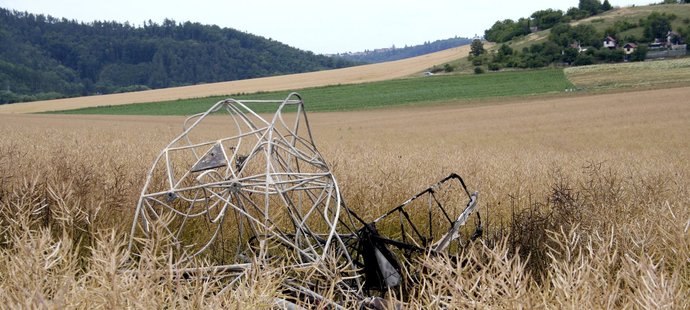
(43, 57)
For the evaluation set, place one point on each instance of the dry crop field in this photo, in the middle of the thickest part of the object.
(586, 201)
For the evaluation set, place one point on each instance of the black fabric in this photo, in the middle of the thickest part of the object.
(369, 243)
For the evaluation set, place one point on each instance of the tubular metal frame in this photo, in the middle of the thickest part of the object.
(267, 180)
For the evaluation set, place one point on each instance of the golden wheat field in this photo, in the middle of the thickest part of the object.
(586, 201)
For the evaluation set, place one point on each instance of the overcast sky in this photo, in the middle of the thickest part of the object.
(320, 26)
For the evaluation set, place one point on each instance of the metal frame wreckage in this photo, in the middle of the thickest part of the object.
(260, 190)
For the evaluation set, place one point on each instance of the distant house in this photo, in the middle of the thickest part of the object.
(673, 41)
(629, 48)
(657, 45)
(609, 42)
(576, 45)
(671, 46)
(673, 38)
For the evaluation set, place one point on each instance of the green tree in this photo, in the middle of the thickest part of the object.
(477, 48)
(550, 51)
(503, 31)
(504, 52)
(587, 35)
(611, 31)
(591, 6)
(606, 6)
(640, 53)
(546, 19)
(583, 60)
(569, 55)
(609, 55)
(564, 35)
(560, 34)
(576, 13)
(657, 25)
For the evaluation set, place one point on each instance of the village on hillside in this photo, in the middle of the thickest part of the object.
(591, 33)
(671, 46)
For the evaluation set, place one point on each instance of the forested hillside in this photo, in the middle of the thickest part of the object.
(393, 53)
(42, 57)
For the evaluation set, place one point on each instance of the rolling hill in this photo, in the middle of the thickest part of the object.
(43, 57)
(393, 53)
(351, 75)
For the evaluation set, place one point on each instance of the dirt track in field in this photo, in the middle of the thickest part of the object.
(351, 75)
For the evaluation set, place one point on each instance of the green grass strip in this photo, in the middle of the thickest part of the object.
(419, 90)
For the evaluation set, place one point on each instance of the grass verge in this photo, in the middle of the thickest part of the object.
(632, 74)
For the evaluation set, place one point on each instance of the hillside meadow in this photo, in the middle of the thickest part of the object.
(585, 200)
(630, 15)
